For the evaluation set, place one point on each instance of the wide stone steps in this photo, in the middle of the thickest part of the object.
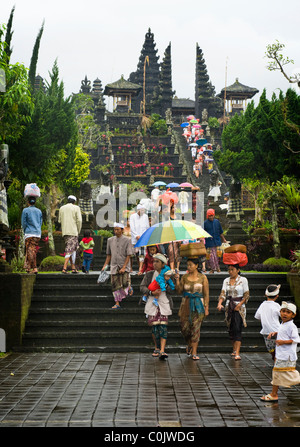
(73, 313)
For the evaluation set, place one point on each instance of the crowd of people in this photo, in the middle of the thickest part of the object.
(160, 282)
(158, 265)
(201, 151)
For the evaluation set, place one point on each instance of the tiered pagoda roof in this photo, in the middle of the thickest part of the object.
(238, 91)
(152, 72)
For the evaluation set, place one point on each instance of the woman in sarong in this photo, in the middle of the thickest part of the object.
(157, 314)
(235, 293)
(194, 306)
(31, 221)
(213, 243)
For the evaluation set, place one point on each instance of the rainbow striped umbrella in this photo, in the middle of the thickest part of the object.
(169, 231)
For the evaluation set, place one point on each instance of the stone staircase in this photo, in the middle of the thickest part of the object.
(202, 181)
(72, 313)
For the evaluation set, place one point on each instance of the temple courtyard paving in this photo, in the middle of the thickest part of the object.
(117, 390)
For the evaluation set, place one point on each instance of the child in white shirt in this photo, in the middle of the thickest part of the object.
(268, 313)
(284, 370)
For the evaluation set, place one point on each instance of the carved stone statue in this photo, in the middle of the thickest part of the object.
(214, 192)
(3, 197)
(235, 209)
(86, 202)
(204, 117)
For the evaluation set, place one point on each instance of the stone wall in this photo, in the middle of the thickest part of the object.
(15, 299)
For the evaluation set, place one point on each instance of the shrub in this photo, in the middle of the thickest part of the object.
(52, 263)
(103, 233)
(283, 262)
(266, 268)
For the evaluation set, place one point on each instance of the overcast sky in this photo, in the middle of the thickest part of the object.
(104, 39)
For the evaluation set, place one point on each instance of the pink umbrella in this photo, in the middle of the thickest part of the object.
(190, 117)
(186, 185)
(197, 125)
(168, 196)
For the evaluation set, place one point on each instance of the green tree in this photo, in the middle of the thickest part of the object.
(46, 151)
(16, 105)
(254, 148)
(80, 170)
(34, 57)
(9, 33)
(277, 61)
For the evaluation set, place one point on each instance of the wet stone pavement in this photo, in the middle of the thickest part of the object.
(135, 390)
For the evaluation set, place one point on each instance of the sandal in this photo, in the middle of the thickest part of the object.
(75, 271)
(188, 350)
(64, 271)
(237, 357)
(163, 356)
(269, 398)
(195, 357)
(156, 353)
(116, 306)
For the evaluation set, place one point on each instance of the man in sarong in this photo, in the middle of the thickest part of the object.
(118, 252)
(213, 243)
(71, 221)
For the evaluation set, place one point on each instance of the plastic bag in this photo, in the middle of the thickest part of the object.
(235, 258)
(32, 190)
(103, 277)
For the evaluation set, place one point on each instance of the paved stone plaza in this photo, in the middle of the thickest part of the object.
(136, 390)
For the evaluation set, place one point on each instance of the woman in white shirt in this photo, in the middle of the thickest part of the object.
(235, 293)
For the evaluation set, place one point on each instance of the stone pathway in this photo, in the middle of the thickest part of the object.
(136, 390)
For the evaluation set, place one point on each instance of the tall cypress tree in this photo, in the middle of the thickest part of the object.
(9, 33)
(34, 57)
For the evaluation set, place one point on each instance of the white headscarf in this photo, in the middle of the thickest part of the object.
(290, 306)
(275, 292)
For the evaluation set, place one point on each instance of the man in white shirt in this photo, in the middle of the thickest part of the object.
(139, 223)
(71, 221)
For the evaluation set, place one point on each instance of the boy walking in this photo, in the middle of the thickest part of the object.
(284, 370)
(269, 313)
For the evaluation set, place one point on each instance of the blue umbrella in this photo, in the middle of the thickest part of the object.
(184, 125)
(159, 183)
(201, 141)
(173, 185)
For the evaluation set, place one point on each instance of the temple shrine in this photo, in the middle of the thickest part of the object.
(129, 150)
(236, 96)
